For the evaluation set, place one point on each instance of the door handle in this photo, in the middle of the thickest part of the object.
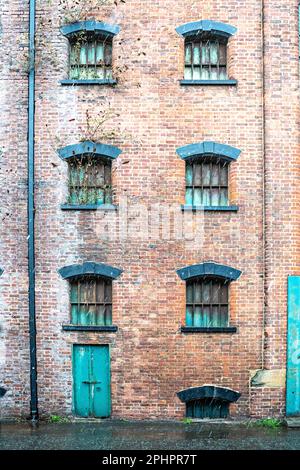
(90, 382)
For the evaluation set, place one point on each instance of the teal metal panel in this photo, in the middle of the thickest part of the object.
(100, 370)
(89, 267)
(214, 27)
(210, 268)
(199, 149)
(90, 25)
(88, 147)
(81, 398)
(293, 348)
(91, 381)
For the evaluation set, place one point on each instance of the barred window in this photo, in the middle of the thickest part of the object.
(90, 56)
(91, 301)
(205, 58)
(207, 182)
(207, 302)
(211, 408)
(90, 180)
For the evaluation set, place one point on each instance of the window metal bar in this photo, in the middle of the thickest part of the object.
(206, 307)
(214, 188)
(86, 48)
(207, 48)
(87, 288)
(87, 179)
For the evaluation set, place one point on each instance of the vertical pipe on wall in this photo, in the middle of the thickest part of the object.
(30, 208)
(264, 241)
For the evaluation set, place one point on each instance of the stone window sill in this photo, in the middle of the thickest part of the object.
(89, 207)
(209, 82)
(98, 81)
(187, 207)
(108, 329)
(196, 329)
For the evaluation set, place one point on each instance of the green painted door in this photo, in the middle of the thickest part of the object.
(293, 348)
(91, 381)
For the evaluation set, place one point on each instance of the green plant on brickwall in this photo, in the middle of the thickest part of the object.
(72, 11)
(58, 419)
(46, 57)
(88, 180)
(271, 423)
(268, 423)
(187, 420)
(105, 67)
(95, 127)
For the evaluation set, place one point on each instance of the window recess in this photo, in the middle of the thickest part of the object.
(205, 58)
(91, 301)
(90, 57)
(207, 182)
(206, 52)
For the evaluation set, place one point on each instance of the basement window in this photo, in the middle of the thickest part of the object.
(90, 180)
(211, 408)
(207, 182)
(207, 302)
(208, 401)
(91, 301)
(90, 56)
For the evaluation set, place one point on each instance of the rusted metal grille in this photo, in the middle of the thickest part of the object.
(207, 182)
(207, 303)
(90, 57)
(205, 59)
(91, 301)
(211, 408)
(90, 180)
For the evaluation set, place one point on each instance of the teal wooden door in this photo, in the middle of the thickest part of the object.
(91, 381)
(293, 348)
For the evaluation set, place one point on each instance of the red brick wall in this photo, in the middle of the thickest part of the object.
(282, 170)
(267, 402)
(150, 359)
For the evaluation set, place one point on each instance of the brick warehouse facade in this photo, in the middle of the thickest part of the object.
(151, 358)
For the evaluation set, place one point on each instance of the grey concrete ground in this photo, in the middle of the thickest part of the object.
(123, 435)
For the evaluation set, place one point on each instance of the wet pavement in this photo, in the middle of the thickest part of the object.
(123, 435)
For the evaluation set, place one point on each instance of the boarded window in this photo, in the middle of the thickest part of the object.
(91, 301)
(207, 302)
(90, 57)
(207, 182)
(90, 180)
(205, 58)
(211, 408)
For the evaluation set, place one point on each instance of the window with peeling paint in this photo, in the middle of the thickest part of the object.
(205, 58)
(90, 180)
(207, 181)
(90, 56)
(207, 302)
(91, 301)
